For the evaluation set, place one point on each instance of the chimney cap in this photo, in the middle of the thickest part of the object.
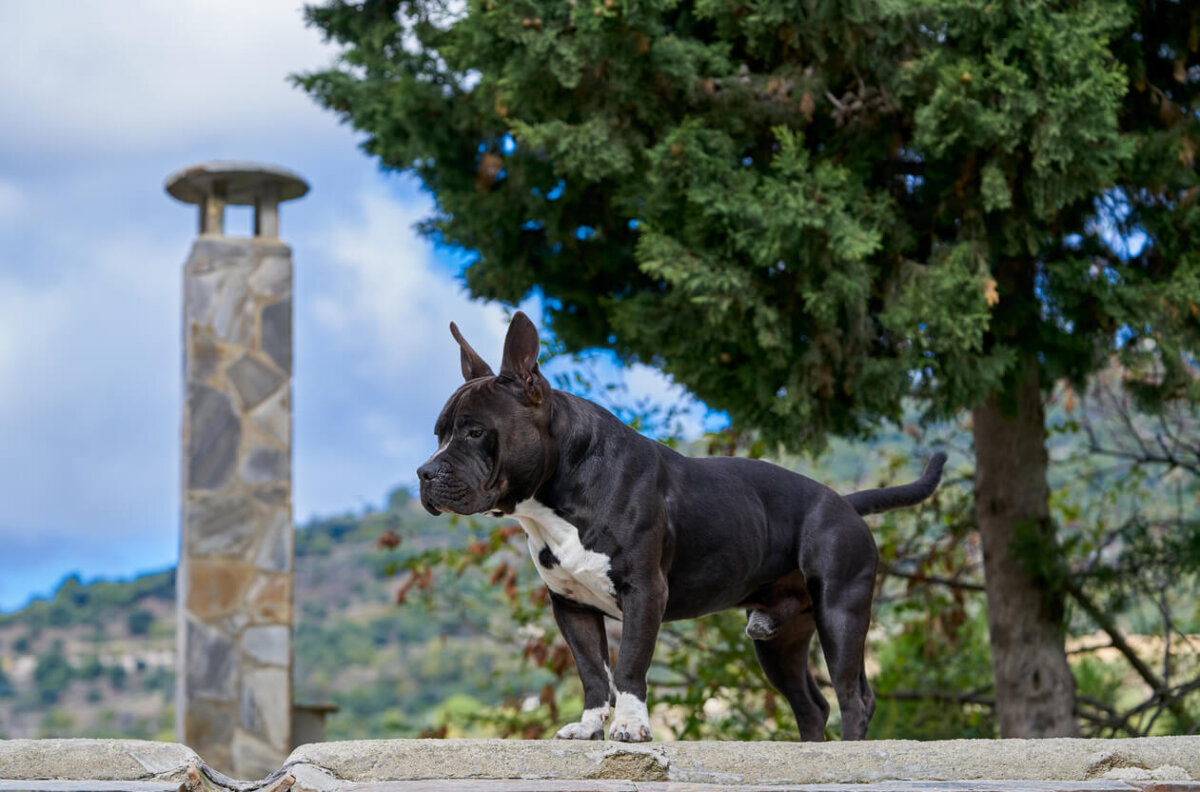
(237, 183)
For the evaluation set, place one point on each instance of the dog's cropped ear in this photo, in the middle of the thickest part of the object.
(473, 366)
(520, 364)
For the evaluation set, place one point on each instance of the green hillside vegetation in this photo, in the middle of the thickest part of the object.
(447, 633)
(96, 660)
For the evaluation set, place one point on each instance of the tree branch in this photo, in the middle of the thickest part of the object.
(888, 569)
(973, 697)
(1106, 623)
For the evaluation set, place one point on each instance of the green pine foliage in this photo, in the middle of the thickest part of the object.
(798, 211)
(808, 213)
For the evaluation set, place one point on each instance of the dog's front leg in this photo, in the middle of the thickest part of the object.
(583, 629)
(642, 614)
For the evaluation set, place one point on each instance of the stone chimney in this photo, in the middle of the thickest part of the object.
(234, 674)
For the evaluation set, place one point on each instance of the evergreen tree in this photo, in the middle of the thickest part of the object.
(807, 212)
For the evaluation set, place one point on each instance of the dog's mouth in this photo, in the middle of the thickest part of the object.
(438, 511)
(460, 500)
(437, 507)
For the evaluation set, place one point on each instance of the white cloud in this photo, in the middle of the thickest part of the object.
(102, 75)
(89, 361)
(380, 360)
(394, 302)
(14, 204)
(374, 349)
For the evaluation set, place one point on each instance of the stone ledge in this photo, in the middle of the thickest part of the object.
(1156, 764)
(102, 760)
(509, 785)
(758, 763)
(60, 785)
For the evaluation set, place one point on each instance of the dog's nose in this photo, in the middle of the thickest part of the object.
(426, 472)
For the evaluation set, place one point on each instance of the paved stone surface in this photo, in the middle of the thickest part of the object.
(1166, 764)
(254, 380)
(235, 580)
(209, 253)
(275, 549)
(270, 644)
(220, 525)
(276, 495)
(205, 354)
(273, 276)
(752, 763)
(277, 333)
(127, 760)
(266, 703)
(211, 723)
(263, 465)
(218, 587)
(238, 526)
(522, 785)
(44, 785)
(250, 751)
(211, 666)
(275, 416)
(213, 437)
(232, 311)
(270, 598)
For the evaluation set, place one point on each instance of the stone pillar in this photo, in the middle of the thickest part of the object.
(234, 674)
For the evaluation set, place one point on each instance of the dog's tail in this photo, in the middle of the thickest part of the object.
(873, 501)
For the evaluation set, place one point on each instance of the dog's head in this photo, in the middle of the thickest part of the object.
(494, 447)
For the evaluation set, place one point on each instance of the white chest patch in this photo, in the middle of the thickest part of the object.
(569, 569)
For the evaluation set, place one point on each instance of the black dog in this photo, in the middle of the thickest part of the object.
(622, 526)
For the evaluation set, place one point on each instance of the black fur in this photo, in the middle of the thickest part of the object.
(682, 537)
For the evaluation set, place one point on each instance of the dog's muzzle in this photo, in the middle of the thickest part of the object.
(430, 476)
(443, 490)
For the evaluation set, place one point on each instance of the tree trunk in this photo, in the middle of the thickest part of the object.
(1035, 691)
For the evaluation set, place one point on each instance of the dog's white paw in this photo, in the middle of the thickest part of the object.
(631, 721)
(589, 727)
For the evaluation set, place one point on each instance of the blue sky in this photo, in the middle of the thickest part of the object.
(101, 101)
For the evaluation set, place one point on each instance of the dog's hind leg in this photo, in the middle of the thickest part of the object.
(843, 614)
(867, 695)
(784, 659)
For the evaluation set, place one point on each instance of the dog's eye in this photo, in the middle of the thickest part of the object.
(475, 433)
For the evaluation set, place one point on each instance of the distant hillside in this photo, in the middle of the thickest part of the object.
(97, 659)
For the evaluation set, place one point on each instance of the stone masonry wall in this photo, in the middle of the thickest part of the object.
(235, 575)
